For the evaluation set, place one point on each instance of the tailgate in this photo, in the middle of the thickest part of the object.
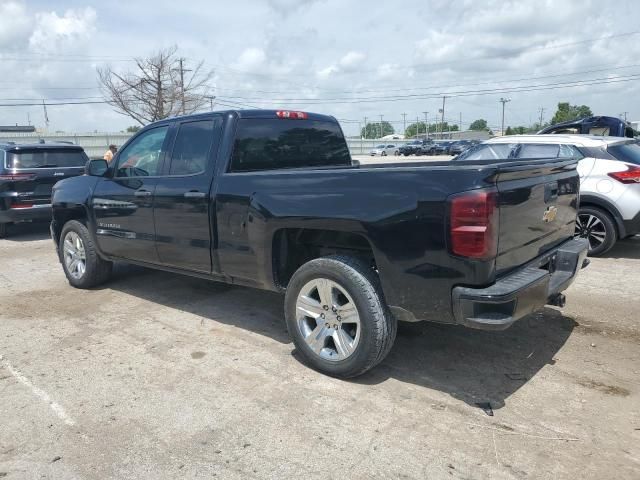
(538, 202)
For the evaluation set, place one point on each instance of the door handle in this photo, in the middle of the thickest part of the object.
(194, 194)
(142, 193)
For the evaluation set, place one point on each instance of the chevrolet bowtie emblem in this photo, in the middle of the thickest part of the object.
(550, 214)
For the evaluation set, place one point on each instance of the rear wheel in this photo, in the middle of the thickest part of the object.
(383, 154)
(337, 317)
(3, 230)
(598, 228)
(80, 261)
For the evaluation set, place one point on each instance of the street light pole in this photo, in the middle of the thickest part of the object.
(404, 123)
(503, 101)
(381, 134)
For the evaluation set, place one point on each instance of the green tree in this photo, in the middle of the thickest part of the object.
(133, 128)
(415, 128)
(568, 112)
(372, 130)
(442, 127)
(480, 124)
(509, 131)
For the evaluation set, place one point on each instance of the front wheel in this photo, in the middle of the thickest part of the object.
(337, 317)
(81, 263)
(598, 228)
(3, 230)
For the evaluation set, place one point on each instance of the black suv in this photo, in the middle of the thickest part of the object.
(27, 174)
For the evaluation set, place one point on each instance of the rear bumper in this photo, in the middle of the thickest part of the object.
(522, 292)
(37, 212)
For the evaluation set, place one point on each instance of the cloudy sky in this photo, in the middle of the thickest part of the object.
(352, 59)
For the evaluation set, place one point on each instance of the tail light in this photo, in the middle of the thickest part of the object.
(631, 175)
(474, 224)
(17, 206)
(18, 176)
(292, 115)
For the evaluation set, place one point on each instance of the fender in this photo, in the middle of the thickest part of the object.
(72, 202)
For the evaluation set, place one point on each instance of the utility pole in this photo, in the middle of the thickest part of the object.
(381, 134)
(460, 123)
(417, 126)
(503, 101)
(426, 123)
(625, 115)
(46, 116)
(541, 114)
(404, 123)
(182, 70)
(442, 120)
(365, 127)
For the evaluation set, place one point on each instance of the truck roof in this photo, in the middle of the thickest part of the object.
(255, 113)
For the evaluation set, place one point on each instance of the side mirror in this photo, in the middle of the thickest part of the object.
(96, 168)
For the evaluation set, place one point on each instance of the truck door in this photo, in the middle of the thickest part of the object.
(182, 201)
(123, 205)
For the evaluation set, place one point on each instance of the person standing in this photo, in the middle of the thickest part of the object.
(108, 155)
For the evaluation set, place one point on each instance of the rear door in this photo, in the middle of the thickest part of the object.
(538, 204)
(182, 200)
(123, 205)
(38, 169)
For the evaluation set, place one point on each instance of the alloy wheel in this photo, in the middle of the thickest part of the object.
(75, 258)
(591, 227)
(328, 319)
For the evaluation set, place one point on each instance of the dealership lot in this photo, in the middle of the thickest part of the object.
(161, 375)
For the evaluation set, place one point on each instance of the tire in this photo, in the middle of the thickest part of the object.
(89, 270)
(598, 227)
(342, 347)
(383, 154)
(396, 153)
(3, 230)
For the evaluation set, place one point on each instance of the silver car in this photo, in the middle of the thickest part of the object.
(384, 149)
(609, 171)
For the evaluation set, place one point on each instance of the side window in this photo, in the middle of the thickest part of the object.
(536, 150)
(569, 151)
(191, 148)
(141, 158)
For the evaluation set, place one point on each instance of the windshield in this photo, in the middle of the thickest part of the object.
(627, 152)
(495, 151)
(379, 146)
(39, 158)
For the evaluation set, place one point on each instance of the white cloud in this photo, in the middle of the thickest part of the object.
(53, 32)
(251, 59)
(15, 26)
(352, 60)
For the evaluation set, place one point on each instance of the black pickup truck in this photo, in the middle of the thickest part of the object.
(271, 199)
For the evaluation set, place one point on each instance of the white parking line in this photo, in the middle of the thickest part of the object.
(38, 392)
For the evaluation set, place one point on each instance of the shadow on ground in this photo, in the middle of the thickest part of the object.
(470, 365)
(627, 248)
(27, 232)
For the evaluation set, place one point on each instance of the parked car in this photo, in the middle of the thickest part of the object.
(442, 147)
(410, 148)
(609, 171)
(271, 199)
(425, 148)
(27, 173)
(599, 125)
(459, 147)
(384, 149)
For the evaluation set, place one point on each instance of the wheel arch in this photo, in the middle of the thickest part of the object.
(587, 200)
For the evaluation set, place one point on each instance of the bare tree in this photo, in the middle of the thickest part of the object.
(159, 87)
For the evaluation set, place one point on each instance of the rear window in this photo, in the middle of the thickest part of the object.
(627, 152)
(264, 144)
(46, 158)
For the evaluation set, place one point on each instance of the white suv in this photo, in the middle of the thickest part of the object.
(609, 179)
